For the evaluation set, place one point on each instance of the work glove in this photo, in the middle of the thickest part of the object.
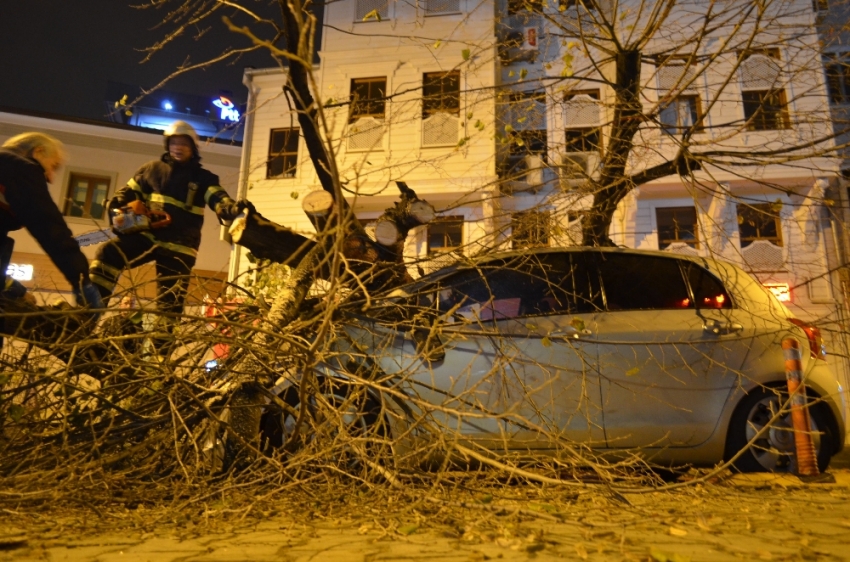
(89, 296)
(229, 209)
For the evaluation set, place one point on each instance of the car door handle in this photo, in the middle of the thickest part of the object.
(722, 328)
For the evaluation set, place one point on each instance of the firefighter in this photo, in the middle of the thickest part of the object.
(178, 185)
(28, 162)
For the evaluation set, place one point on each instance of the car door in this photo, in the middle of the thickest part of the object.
(670, 351)
(513, 376)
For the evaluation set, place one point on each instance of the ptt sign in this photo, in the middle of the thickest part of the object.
(228, 110)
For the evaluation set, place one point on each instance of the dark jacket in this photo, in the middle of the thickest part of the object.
(181, 190)
(25, 202)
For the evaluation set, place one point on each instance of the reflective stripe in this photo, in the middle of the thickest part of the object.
(105, 283)
(179, 248)
(212, 190)
(163, 199)
(134, 185)
(116, 272)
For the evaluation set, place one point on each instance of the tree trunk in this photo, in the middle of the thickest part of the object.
(613, 184)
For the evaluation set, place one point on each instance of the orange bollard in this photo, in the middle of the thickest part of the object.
(807, 463)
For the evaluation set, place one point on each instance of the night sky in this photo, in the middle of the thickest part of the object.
(58, 55)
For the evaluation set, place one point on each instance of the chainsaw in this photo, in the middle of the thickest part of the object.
(135, 217)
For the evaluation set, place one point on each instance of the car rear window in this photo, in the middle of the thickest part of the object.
(635, 282)
(708, 290)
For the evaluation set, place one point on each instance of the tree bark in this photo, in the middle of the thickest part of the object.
(613, 184)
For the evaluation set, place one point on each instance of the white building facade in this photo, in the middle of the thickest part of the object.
(499, 114)
(102, 158)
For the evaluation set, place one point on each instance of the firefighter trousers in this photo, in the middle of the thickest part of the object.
(129, 251)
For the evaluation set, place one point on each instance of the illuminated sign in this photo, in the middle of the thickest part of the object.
(228, 110)
(20, 271)
(781, 291)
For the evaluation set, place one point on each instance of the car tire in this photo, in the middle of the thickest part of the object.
(774, 450)
(342, 423)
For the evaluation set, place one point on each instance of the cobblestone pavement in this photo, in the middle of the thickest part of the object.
(743, 517)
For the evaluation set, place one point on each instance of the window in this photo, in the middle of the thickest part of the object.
(364, 8)
(86, 196)
(681, 114)
(632, 282)
(283, 153)
(440, 93)
(524, 120)
(765, 110)
(707, 289)
(526, 286)
(581, 109)
(530, 229)
(520, 6)
(759, 222)
(765, 106)
(677, 224)
(435, 7)
(368, 98)
(837, 79)
(582, 140)
(445, 234)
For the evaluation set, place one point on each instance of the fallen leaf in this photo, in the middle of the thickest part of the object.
(677, 532)
(407, 529)
(632, 372)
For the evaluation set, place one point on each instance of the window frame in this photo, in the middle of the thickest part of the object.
(283, 154)
(358, 18)
(664, 243)
(431, 13)
(760, 211)
(837, 83)
(445, 249)
(695, 109)
(69, 200)
(757, 119)
(444, 94)
(368, 107)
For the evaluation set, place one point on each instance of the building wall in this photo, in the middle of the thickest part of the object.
(114, 152)
(463, 179)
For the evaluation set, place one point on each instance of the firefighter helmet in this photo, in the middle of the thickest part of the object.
(184, 129)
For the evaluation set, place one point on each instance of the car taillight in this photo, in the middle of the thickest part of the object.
(816, 346)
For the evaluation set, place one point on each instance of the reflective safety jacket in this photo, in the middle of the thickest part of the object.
(182, 191)
(25, 202)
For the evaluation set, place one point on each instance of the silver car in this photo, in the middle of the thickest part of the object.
(675, 358)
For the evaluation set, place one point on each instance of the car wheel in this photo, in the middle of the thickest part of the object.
(341, 423)
(774, 450)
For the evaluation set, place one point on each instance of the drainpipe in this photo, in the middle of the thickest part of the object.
(244, 165)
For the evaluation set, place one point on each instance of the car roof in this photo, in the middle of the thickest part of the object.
(476, 261)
